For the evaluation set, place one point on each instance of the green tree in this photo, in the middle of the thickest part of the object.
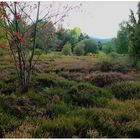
(67, 49)
(61, 36)
(109, 47)
(134, 35)
(122, 41)
(83, 36)
(46, 36)
(90, 46)
(99, 45)
(73, 36)
(79, 49)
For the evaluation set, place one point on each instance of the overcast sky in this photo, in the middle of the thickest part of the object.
(101, 19)
(97, 18)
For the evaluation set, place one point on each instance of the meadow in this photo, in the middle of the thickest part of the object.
(95, 96)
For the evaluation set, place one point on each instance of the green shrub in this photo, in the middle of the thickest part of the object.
(118, 67)
(67, 49)
(46, 79)
(36, 98)
(8, 101)
(126, 90)
(55, 110)
(8, 122)
(79, 49)
(38, 51)
(132, 129)
(64, 127)
(104, 66)
(80, 94)
(112, 121)
(64, 83)
(1, 52)
(2, 83)
(138, 65)
(105, 79)
(8, 89)
(9, 104)
(103, 56)
(114, 55)
(58, 128)
(87, 95)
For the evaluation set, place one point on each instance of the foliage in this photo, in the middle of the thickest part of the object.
(118, 67)
(79, 49)
(134, 33)
(73, 35)
(38, 51)
(90, 46)
(67, 49)
(108, 47)
(138, 65)
(83, 36)
(104, 66)
(105, 79)
(87, 95)
(63, 127)
(103, 56)
(122, 41)
(99, 46)
(126, 90)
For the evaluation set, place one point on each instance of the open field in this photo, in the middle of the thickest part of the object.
(71, 96)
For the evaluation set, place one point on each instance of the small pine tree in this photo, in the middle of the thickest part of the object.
(67, 49)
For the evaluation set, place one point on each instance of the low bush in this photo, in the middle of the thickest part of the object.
(58, 128)
(103, 56)
(36, 98)
(104, 66)
(55, 110)
(38, 51)
(138, 65)
(87, 95)
(126, 90)
(132, 129)
(46, 80)
(64, 127)
(7, 101)
(113, 120)
(107, 66)
(114, 55)
(105, 79)
(8, 122)
(118, 67)
(10, 105)
(8, 89)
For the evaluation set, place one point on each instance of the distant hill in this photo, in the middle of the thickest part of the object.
(102, 40)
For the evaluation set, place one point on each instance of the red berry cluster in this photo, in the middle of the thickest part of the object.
(19, 37)
(17, 17)
(2, 46)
